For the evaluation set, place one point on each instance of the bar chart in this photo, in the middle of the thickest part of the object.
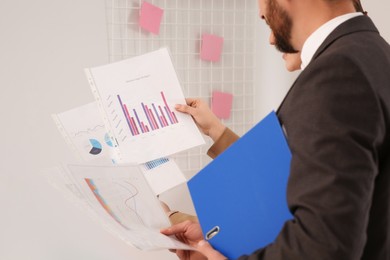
(136, 97)
(155, 163)
(96, 192)
(156, 116)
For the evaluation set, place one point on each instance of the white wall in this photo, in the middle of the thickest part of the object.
(44, 46)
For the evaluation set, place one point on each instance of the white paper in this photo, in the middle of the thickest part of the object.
(162, 174)
(84, 131)
(137, 98)
(120, 198)
(83, 128)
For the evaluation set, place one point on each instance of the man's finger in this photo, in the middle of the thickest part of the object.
(178, 228)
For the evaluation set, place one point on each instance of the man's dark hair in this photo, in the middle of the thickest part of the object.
(358, 6)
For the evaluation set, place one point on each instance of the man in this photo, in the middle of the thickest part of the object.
(337, 120)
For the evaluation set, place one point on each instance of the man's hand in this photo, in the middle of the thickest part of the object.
(191, 233)
(207, 121)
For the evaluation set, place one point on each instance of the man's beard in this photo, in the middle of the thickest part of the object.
(281, 26)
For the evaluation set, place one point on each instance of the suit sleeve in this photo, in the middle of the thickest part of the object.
(227, 138)
(334, 124)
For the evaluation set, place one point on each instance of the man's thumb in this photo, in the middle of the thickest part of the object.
(184, 109)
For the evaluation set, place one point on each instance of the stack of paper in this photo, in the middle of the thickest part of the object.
(119, 198)
(132, 123)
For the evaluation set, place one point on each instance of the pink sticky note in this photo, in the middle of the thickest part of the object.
(150, 17)
(211, 47)
(221, 104)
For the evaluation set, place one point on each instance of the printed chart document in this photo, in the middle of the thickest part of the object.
(120, 198)
(84, 130)
(240, 197)
(137, 98)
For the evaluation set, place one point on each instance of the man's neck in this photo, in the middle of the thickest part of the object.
(309, 15)
(315, 40)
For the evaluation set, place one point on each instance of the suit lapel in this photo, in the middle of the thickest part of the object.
(356, 24)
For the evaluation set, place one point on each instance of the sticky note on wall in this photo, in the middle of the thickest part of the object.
(150, 17)
(211, 48)
(221, 104)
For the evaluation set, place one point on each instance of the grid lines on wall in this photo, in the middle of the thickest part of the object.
(182, 26)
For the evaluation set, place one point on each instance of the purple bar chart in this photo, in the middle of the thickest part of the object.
(150, 117)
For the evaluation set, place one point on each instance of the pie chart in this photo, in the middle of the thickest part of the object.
(108, 141)
(96, 147)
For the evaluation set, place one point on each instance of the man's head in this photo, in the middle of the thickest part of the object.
(280, 23)
(293, 21)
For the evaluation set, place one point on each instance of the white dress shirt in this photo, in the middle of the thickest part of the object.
(314, 41)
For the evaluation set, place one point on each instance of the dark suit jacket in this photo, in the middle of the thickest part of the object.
(337, 119)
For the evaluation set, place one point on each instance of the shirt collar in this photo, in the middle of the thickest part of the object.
(314, 41)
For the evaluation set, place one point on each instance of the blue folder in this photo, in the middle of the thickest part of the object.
(240, 197)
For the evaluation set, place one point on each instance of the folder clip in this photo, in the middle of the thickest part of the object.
(213, 232)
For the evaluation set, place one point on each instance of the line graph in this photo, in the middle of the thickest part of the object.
(122, 201)
(119, 199)
(89, 130)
